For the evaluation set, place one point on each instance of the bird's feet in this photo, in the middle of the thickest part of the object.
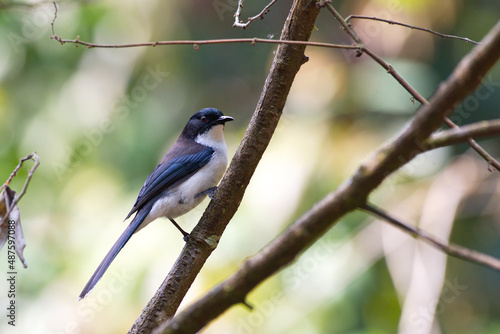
(184, 233)
(209, 191)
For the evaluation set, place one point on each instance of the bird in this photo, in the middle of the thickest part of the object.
(190, 170)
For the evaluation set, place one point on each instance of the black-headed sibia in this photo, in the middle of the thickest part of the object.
(189, 172)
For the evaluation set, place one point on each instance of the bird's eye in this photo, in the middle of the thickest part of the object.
(204, 119)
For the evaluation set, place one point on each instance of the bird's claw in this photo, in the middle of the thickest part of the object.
(209, 191)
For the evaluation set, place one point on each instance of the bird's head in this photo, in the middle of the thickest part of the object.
(206, 125)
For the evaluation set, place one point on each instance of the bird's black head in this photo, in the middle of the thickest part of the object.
(203, 121)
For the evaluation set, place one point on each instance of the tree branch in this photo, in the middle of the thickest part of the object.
(238, 23)
(33, 156)
(350, 195)
(350, 17)
(482, 152)
(195, 43)
(205, 236)
(450, 249)
(363, 48)
(463, 133)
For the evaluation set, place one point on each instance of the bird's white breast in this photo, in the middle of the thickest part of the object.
(182, 199)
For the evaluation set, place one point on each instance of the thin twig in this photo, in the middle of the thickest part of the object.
(410, 26)
(197, 43)
(472, 143)
(21, 161)
(450, 249)
(32, 156)
(460, 134)
(194, 43)
(364, 49)
(56, 10)
(239, 23)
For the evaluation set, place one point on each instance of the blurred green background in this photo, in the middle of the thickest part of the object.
(101, 119)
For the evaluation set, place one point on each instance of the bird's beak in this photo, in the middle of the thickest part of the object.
(223, 119)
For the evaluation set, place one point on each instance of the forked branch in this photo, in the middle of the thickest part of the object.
(241, 24)
(33, 156)
(194, 43)
(364, 49)
(461, 134)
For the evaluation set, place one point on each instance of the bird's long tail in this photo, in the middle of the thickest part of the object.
(117, 247)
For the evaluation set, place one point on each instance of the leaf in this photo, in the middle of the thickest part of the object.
(11, 229)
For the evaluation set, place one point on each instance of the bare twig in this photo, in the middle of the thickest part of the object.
(33, 156)
(350, 195)
(482, 152)
(450, 249)
(56, 10)
(364, 49)
(350, 17)
(240, 24)
(460, 134)
(195, 43)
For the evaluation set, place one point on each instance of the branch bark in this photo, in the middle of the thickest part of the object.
(450, 249)
(205, 236)
(350, 195)
(460, 134)
(364, 17)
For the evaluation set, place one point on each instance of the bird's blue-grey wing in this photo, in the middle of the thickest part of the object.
(167, 175)
(170, 174)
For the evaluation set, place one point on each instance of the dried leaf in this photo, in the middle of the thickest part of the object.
(11, 230)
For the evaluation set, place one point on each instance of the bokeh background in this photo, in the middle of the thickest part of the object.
(101, 119)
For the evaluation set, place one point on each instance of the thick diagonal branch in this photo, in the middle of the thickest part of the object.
(206, 234)
(350, 195)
